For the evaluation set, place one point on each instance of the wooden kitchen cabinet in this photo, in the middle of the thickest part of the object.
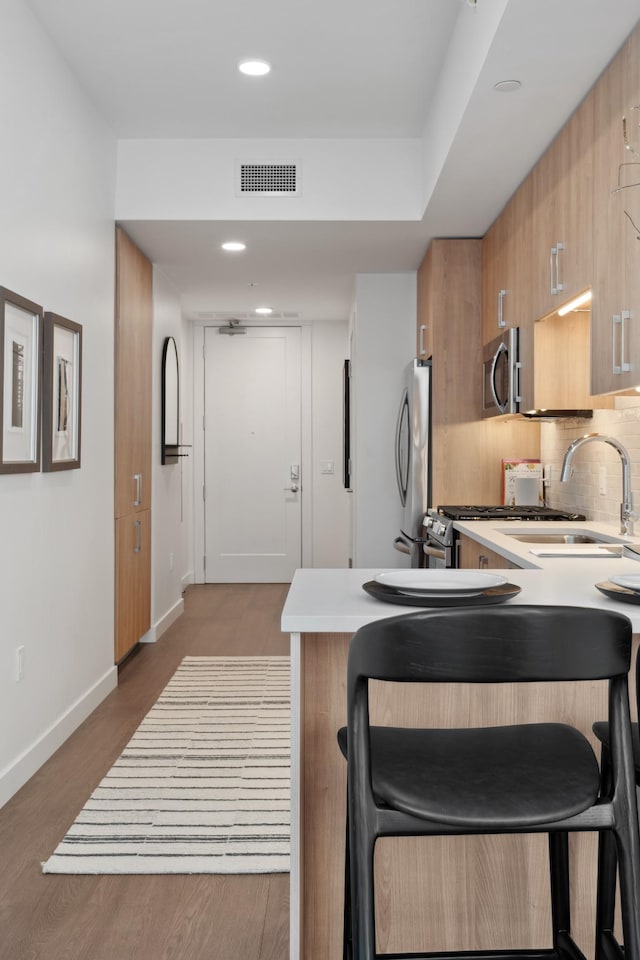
(615, 309)
(466, 449)
(562, 254)
(132, 502)
(506, 266)
(134, 299)
(474, 555)
(133, 580)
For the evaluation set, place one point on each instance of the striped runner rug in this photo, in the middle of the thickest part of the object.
(203, 784)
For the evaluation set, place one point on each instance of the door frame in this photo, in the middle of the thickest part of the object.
(198, 439)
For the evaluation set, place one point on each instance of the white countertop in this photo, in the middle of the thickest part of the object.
(333, 601)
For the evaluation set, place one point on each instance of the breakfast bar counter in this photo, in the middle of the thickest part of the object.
(437, 893)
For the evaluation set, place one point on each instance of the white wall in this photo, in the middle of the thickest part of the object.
(57, 171)
(383, 343)
(582, 492)
(170, 513)
(331, 502)
(341, 180)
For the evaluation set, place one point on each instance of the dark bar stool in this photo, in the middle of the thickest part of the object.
(531, 778)
(607, 947)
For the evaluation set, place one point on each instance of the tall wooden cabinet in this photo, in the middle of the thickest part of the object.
(133, 345)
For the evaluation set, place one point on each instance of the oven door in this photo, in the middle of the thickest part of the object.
(500, 374)
(437, 556)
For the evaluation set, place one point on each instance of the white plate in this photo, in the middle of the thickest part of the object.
(630, 581)
(440, 581)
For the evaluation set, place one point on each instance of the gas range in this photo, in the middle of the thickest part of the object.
(504, 513)
(440, 536)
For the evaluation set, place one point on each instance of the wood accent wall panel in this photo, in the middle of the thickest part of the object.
(133, 402)
(438, 893)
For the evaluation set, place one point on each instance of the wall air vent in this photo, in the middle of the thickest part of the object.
(274, 179)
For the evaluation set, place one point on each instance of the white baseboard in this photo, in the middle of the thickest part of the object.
(188, 579)
(29, 762)
(170, 617)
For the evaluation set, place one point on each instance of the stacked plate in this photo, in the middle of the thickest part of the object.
(429, 588)
(625, 587)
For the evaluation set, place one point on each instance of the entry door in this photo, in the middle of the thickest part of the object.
(253, 482)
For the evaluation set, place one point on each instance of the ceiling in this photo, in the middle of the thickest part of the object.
(342, 70)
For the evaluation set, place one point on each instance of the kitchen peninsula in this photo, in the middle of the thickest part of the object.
(443, 893)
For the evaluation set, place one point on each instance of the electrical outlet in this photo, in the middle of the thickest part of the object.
(603, 481)
(19, 662)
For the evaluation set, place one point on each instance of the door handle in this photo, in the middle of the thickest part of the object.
(293, 488)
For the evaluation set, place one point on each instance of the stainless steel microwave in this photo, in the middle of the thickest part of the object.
(501, 375)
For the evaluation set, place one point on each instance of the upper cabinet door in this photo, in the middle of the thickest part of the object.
(562, 263)
(506, 270)
(424, 330)
(615, 311)
(134, 299)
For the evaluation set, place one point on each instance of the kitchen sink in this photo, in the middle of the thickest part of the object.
(556, 538)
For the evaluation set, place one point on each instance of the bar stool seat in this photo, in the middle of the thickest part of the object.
(524, 778)
(441, 775)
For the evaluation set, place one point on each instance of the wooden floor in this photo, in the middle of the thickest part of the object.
(137, 917)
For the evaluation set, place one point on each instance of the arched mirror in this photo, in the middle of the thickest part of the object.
(170, 402)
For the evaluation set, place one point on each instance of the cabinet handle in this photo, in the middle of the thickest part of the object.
(138, 544)
(620, 320)
(501, 295)
(554, 260)
(423, 327)
(559, 282)
(137, 497)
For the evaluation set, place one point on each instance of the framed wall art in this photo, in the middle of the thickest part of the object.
(21, 323)
(62, 393)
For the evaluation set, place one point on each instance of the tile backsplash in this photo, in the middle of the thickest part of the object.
(582, 492)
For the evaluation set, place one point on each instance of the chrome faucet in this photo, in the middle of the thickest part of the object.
(627, 514)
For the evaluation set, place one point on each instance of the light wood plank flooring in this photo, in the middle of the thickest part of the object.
(138, 917)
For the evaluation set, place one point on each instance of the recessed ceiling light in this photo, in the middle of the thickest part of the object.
(265, 310)
(234, 245)
(254, 68)
(507, 86)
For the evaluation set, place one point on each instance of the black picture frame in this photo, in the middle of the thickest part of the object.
(61, 394)
(21, 324)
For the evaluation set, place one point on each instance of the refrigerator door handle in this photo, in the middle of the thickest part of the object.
(403, 414)
(402, 545)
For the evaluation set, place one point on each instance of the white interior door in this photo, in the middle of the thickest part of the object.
(252, 452)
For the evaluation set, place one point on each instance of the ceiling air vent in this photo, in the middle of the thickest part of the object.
(274, 179)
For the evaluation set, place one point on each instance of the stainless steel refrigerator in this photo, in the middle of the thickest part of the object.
(413, 458)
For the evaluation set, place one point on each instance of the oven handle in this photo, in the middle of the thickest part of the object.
(436, 552)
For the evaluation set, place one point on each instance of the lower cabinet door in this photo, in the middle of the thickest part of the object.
(133, 581)
(474, 555)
